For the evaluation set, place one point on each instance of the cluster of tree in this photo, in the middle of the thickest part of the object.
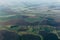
(48, 36)
(8, 35)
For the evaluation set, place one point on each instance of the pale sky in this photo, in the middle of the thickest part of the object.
(18, 2)
(5, 2)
